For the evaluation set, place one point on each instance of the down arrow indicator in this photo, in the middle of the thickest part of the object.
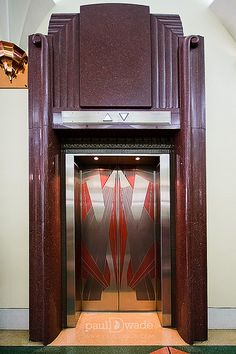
(123, 116)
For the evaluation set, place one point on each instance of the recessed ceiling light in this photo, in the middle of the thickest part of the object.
(96, 158)
(137, 158)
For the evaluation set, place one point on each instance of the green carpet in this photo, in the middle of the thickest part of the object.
(116, 350)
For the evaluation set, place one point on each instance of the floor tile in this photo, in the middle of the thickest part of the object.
(18, 338)
(118, 329)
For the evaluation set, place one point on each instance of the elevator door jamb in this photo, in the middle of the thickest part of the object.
(70, 241)
(164, 305)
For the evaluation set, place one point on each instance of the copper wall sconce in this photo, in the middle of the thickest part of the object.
(13, 61)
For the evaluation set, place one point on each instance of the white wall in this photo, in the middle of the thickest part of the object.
(220, 51)
(221, 165)
(13, 199)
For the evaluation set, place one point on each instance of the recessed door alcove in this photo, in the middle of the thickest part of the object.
(119, 231)
(115, 77)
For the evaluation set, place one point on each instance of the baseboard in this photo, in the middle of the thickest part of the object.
(218, 318)
(222, 318)
(14, 319)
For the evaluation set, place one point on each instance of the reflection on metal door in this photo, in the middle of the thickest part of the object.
(99, 243)
(118, 239)
(136, 238)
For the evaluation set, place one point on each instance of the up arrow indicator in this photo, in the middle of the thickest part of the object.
(107, 118)
(123, 116)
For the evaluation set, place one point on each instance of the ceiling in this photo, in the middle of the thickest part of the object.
(19, 18)
(225, 10)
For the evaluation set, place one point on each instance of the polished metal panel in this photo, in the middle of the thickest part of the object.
(78, 218)
(165, 251)
(118, 243)
(99, 240)
(113, 117)
(137, 288)
(70, 242)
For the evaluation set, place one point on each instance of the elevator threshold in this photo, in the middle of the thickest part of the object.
(118, 328)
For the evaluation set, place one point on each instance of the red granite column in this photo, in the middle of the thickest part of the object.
(191, 259)
(44, 189)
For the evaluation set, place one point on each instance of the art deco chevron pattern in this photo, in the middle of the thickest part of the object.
(118, 215)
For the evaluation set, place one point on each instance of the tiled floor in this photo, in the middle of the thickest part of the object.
(15, 338)
(118, 329)
(220, 337)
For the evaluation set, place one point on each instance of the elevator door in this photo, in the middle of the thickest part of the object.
(118, 245)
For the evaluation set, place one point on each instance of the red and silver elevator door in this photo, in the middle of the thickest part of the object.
(118, 246)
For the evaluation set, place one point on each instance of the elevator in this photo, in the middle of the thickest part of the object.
(117, 233)
(116, 81)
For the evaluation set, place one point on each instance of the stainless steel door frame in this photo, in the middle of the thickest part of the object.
(165, 242)
(70, 242)
(165, 308)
